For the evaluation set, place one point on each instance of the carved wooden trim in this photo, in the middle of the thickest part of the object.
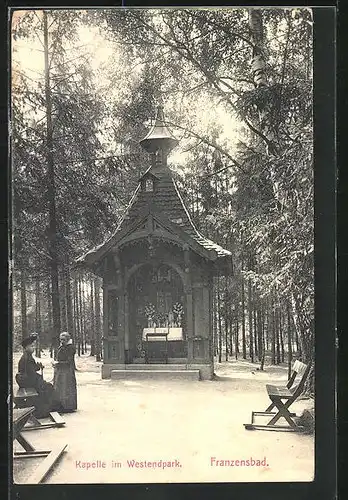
(129, 272)
(150, 224)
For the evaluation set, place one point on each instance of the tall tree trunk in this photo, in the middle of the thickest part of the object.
(260, 333)
(277, 334)
(243, 321)
(49, 315)
(266, 327)
(97, 320)
(51, 194)
(215, 339)
(236, 337)
(262, 341)
(38, 327)
(273, 332)
(24, 318)
(63, 308)
(79, 295)
(304, 326)
(258, 66)
(84, 319)
(254, 302)
(282, 354)
(250, 324)
(77, 316)
(193, 200)
(69, 302)
(93, 319)
(289, 339)
(231, 335)
(227, 347)
(298, 345)
(219, 319)
(226, 318)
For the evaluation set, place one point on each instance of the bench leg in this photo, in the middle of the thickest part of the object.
(32, 454)
(267, 414)
(282, 412)
(24, 443)
(35, 424)
(256, 427)
(46, 466)
(57, 418)
(34, 420)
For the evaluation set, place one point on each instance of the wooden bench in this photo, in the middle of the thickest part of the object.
(282, 397)
(25, 398)
(20, 417)
(297, 371)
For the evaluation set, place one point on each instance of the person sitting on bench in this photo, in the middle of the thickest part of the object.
(28, 378)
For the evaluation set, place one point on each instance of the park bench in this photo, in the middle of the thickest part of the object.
(25, 398)
(20, 417)
(282, 397)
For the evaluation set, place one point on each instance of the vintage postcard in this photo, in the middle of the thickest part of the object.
(162, 265)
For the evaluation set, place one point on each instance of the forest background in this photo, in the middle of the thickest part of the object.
(236, 85)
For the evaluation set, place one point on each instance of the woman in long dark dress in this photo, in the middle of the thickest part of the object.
(28, 378)
(64, 374)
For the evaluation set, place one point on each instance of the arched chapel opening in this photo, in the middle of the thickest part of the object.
(156, 298)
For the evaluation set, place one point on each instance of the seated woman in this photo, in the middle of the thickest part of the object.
(28, 378)
(64, 374)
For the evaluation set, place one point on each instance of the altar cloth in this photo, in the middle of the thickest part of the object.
(174, 333)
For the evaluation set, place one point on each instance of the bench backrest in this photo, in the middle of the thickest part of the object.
(303, 372)
(298, 370)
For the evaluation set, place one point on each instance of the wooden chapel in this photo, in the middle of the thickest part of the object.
(157, 272)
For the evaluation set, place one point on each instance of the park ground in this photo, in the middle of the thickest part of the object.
(186, 423)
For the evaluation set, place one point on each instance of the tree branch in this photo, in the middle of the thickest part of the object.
(230, 34)
(209, 143)
(269, 143)
(188, 56)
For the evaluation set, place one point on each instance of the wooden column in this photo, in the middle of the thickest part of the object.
(122, 316)
(118, 270)
(207, 333)
(126, 322)
(122, 310)
(113, 283)
(206, 306)
(189, 323)
(106, 282)
(105, 320)
(189, 304)
(210, 315)
(201, 324)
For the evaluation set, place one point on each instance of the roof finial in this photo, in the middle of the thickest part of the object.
(159, 137)
(160, 113)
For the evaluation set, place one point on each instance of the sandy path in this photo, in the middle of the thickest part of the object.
(186, 422)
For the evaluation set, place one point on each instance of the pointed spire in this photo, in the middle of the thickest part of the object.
(159, 137)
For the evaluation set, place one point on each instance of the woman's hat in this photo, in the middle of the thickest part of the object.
(29, 340)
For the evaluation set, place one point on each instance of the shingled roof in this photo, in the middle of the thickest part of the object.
(164, 199)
